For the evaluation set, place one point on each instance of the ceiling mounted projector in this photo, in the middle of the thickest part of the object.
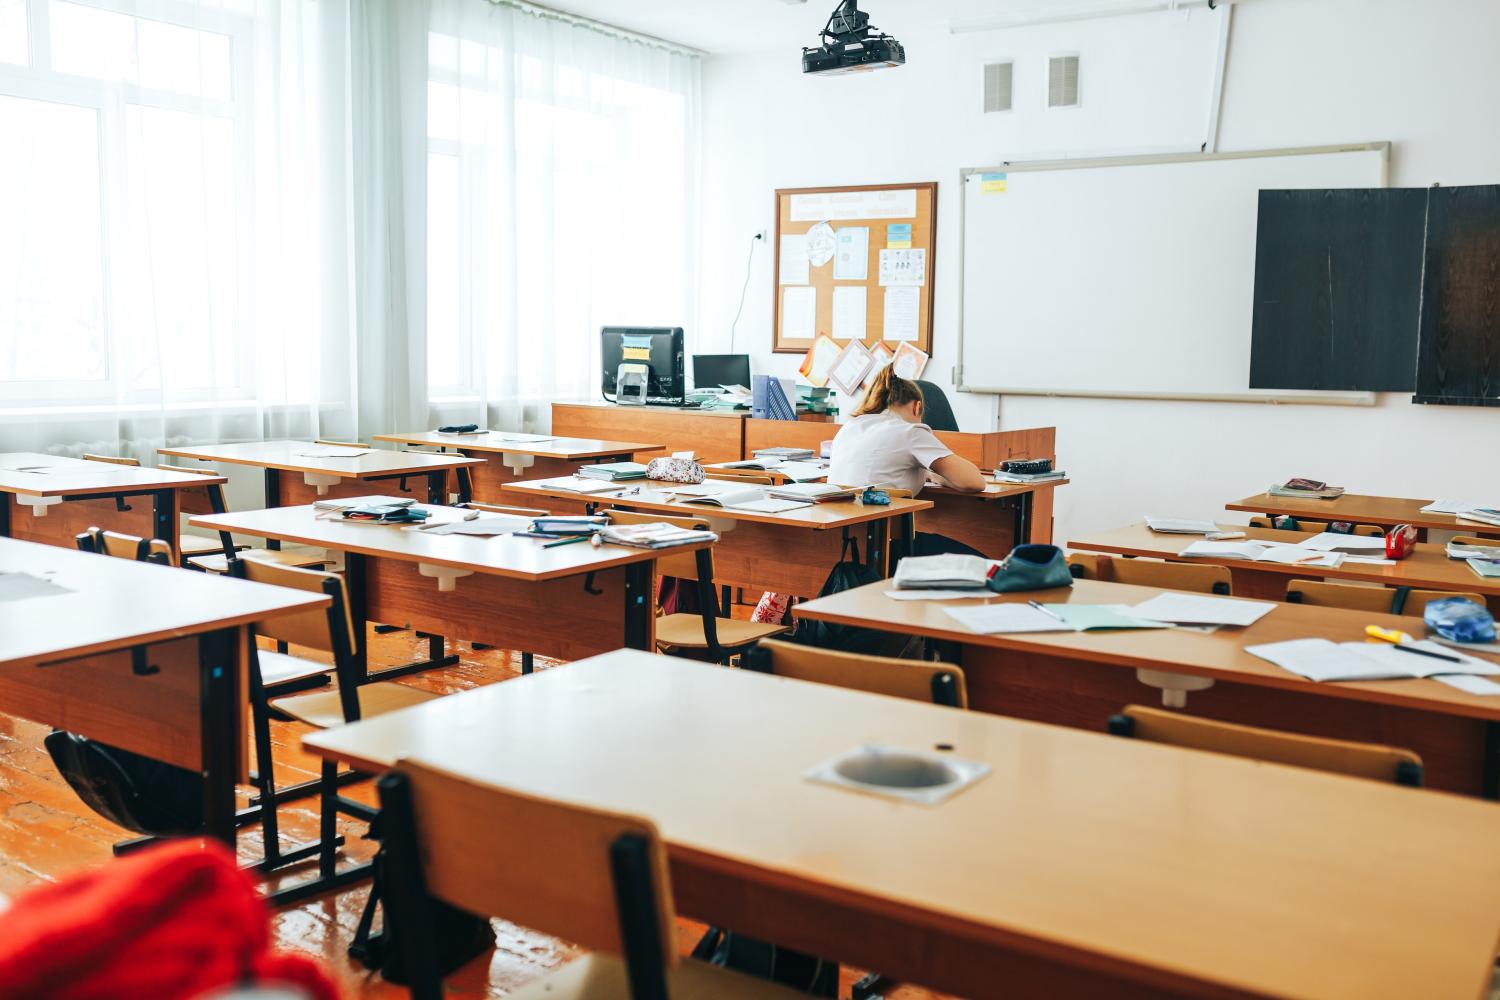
(850, 45)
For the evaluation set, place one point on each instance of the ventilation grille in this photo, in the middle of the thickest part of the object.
(1062, 82)
(997, 86)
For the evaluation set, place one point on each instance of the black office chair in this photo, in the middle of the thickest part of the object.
(936, 413)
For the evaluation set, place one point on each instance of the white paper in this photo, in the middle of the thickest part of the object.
(799, 312)
(1453, 506)
(575, 484)
(802, 472)
(20, 586)
(903, 267)
(1194, 609)
(689, 455)
(1181, 526)
(820, 244)
(909, 361)
(852, 260)
(1323, 660)
(993, 619)
(849, 320)
(851, 367)
(834, 206)
(937, 595)
(484, 527)
(519, 438)
(1470, 685)
(1327, 541)
(794, 262)
(903, 309)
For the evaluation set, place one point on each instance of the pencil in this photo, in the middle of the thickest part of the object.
(567, 541)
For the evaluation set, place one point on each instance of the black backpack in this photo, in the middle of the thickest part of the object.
(763, 960)
(847, 574)
(138, 793)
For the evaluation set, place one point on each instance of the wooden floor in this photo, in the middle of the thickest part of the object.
(45, 832)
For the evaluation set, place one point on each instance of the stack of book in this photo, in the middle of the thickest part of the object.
(1002, 476)
(1484, 515)
(1464, 550)
(812, 492)
(945, 572)
(659, 535)
(1306, 489)
(614, 472)
(788, 454)
(562, 525)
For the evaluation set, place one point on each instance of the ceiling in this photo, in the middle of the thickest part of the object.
(724, 26)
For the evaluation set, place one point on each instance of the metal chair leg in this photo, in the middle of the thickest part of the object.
(329, 814)
(527, 664)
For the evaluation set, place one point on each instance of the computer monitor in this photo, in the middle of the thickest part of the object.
(658, 348)
(713, 370)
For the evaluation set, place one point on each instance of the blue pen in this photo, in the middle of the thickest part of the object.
(1047, 611)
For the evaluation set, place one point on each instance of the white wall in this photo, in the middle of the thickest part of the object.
(1420, 73)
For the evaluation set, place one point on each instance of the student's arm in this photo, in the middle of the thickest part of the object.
(959, 473)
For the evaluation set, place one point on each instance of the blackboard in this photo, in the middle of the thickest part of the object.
(1459, 359)
(1338, 281)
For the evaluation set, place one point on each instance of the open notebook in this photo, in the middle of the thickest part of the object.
(731, 497)
(1324, 660)
(1250, 551)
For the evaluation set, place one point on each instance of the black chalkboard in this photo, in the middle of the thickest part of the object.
(1338, 276)
(1459, 359)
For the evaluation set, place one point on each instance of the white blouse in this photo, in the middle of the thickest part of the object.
(881, 449)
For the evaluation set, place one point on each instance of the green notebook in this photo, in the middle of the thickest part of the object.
(614, 471)
(1487, 568)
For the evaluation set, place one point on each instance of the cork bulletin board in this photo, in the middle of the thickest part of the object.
(855, 263)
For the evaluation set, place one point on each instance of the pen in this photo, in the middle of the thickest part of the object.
(1405, 648)
(1046, 611)
(567, 541)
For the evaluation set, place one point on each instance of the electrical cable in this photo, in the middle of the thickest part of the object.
(743, 289)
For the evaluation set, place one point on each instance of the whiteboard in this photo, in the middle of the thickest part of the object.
(1130, 277)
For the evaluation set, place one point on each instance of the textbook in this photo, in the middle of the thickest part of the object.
(348, 503)
(658, 535)
(1289, 555)
(1489, 569)
(1324, 660)
(576, 484)
(751, 498)
(793, 454)
(558, 524)
(1181, 526)
(1329, 541)
(797, 472)
(1484, 515)
(1035, 477)
(944, 572)
(614, 471)
(1307, 489)
(812, 492)
(1461, 550)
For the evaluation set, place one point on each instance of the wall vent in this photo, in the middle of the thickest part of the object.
(997, 86)
(1062, 82)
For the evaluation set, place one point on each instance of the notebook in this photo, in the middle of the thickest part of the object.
(995, 619)
(785, 453)
(576, 484)
(481, 527)
(1324, 660)
(614, 471)
(1328, 541)
(1287, 555)
(658, 535)
(812, 492)
(1307, 488)
(1486, 568)
(748, 498)
(344, 503)
(560, 524)
(1181, 526)
(943, 572)
(1460, 550)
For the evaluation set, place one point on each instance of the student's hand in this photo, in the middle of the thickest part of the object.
(960, 474)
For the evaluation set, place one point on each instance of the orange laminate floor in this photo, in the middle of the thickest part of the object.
(45, 832)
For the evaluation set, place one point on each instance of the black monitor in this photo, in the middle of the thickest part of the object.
(658, 348)
(713, 370)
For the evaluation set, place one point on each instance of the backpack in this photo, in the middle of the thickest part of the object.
(138, 793)
(763, 960)
(847, 574)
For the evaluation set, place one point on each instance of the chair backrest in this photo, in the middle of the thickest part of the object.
(681, 564)
(122, 546)
(915, 680)
(198, 499)
(315, 628)
(1360, 760)
(936, 411)
(1259, 521)
(112, 460)
(565, 883)
(1355, 597)
(341, 444)
(1202, 579)
(1084, 565)
(750, 477)
(1475, 540)
(495, 508)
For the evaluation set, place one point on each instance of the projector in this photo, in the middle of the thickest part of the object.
(850, 45)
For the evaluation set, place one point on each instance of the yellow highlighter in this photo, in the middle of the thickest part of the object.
(1378, 634)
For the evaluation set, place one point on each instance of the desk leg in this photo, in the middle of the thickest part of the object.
(1491, 786)
(356, 582)
(273, 499)
(437, 489)
(1021, 530)
(465, 484)
(163, 510)
(219, 718)
(639, 611)
(876, 533)
(5, 501)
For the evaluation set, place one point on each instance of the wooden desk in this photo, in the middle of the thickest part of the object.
(64, 496)
(1081, 679)
(147, 658)
(319, 477)
(788, 553)
(1384, 511)
(1083, 865)
(1428, 569)
(566, 602)
(503, 461)
(714, 435)
(993, 522)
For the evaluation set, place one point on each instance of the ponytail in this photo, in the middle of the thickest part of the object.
(888, 390)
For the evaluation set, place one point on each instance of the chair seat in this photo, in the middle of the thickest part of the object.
(685, 631)
(201, 545)
(299, 556)
(282, 668)
(602, 977)
(322, 709)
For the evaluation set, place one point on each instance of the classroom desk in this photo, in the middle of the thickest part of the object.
(1082, 865)
(788, 553)
(993, 522)
(147, 658)
(504, 460)
(1384, 511)
(1427, 569)
(376, 472)
(1081, 679)
(714, 435)
(65, 496)
(566, 602)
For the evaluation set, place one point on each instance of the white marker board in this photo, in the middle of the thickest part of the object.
(1128, 277)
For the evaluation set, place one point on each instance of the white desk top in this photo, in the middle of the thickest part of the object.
(500, 442)
(293, 456)
(31, 474)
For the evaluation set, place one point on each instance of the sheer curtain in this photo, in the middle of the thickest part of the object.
(562, 182)
(173, 194)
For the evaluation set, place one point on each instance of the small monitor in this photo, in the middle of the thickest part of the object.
(657, 348)
(713, 370)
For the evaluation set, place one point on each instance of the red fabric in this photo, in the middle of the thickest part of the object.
(170, 922)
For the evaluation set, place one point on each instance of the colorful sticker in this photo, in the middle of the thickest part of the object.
(898, 236)
(993, 183)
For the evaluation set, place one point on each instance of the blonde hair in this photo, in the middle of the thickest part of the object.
(888, 390)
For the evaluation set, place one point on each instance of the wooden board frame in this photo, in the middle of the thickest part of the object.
(924, 237)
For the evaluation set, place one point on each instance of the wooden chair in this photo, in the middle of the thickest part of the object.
(205, 554)
(495, 508)
(113, 460)
(341, 444)
(593, 877)
(1360, 760)
(328, 630)
(915, 680)
(1201, 579)
(721, 637)
(752, 477)
(1381, 600)
(121, 546)
(1368, 530)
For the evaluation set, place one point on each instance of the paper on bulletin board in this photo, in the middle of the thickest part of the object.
(993, 183)
(850, 368)
(845, 206)
(903, 310)
(793, 260)
(820, 244)
(898, 236)
(819, 358)
(903, 267)
(909, 361)
(853, 260)
(849, 305)
(799, 311)
(880, 356)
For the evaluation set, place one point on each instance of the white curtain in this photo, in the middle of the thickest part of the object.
(174, 202)
(562, 188)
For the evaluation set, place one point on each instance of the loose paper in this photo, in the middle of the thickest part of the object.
(483, 527)
(818, 360)
(849, 320)
(852, 262)
(820, 244)
(993, 619)
(898, 236)
(902, 267)
(1470, 685)
(799, 312)
(1193, 609)
(849, 369)
(835, 206)
(909, 361)
(903, 313)
(794, 260)
(1453, 506)
(20, 586)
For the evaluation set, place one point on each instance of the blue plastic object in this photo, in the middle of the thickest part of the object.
(1459, 619)
(874, 497)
